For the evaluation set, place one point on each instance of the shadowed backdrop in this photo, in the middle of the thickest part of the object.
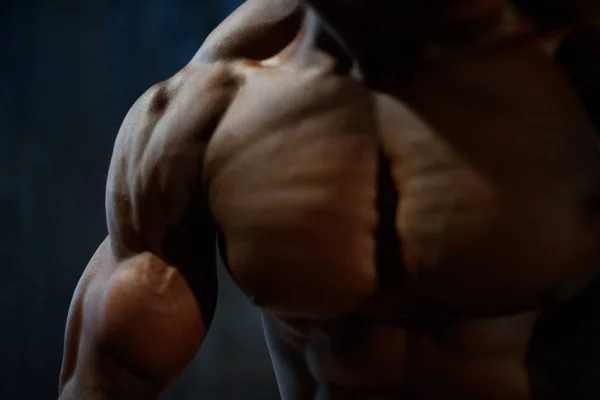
(69, 71)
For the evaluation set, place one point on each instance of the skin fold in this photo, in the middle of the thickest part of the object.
(409, 191)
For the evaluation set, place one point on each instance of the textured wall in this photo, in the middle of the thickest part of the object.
(69, 71)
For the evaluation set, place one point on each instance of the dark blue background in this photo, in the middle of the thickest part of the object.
(69, 71)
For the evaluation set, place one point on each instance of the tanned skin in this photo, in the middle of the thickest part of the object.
(417, 220)
(146, 299)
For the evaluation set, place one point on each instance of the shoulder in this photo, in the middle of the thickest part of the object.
(154, 169)
(257, 29)
(198, 86)
(172, 114)
(198, 90)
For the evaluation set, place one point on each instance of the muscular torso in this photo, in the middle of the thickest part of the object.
(436, 238)
(401, 259)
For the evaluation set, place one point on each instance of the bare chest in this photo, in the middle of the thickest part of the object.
(331, 198)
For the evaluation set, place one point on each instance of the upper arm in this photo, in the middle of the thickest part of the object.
(155, 175)
(145, 301)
